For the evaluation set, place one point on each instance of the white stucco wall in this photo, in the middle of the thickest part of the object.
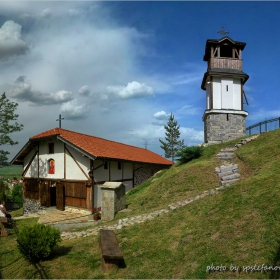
(226, 93)
(217, 93)
(72, 169)
(237, 96)
(44, 157)
(33, 169)
(100, 174)
(114, 172)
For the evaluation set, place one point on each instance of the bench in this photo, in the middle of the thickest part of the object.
(3, 221)
(112, 256)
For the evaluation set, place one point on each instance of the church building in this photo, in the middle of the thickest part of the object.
(224, 117)
(64, 168)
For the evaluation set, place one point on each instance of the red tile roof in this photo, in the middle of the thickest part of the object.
(102, 148)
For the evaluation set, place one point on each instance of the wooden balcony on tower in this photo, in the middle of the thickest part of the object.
(225, 63)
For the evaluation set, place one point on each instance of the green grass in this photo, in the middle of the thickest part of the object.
(238, 227)
(11, 172)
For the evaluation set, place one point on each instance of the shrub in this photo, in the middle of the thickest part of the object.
(187, 154)
(17, 193)
(37, 242)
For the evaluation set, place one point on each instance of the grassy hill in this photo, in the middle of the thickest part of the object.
(234, 231)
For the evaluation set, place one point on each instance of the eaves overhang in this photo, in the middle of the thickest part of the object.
(224, 73)
(19, 158)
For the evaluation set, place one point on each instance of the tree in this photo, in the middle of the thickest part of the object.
(172, 133)
(8, 125)
(187, 154)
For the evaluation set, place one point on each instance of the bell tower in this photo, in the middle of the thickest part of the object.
(224, 117)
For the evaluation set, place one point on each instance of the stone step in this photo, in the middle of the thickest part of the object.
(224, 157)
(225, 168)
(230, 177)
(229, 155)
(228, 150)
(222, 174)
(229, 182)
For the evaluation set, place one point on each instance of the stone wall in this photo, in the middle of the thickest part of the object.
(223, 127)
(112, 199)
(143, 172)
(31, 206)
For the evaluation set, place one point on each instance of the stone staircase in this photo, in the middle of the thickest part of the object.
(227, 170)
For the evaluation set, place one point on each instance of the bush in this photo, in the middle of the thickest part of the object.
(37, 242)
(187, 154)
(17, 193)
(2, 191)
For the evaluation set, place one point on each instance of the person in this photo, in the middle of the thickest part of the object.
(3, 211)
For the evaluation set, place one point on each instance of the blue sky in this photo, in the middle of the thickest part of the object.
(117, 69)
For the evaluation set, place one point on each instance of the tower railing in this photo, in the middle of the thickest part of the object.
(264, 126)
(225, 63)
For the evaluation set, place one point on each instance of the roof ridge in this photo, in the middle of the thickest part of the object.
(108, 140)
(80, 133)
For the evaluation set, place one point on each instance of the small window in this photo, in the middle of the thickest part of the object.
(227, 87)
(51, 148)
(106, 165)
(119, 165)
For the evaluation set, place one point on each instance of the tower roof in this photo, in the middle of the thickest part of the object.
(223, 41)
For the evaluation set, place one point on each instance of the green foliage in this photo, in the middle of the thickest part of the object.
(8, 125)
(17, 193)
(172, 144)
(37, 242)
(187, 154)
(2, 191)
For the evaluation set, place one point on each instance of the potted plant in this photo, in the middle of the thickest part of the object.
(96, 214)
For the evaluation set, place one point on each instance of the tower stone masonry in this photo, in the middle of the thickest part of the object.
(224, 117)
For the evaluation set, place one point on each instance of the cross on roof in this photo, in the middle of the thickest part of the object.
(223, 31)
(60, 119)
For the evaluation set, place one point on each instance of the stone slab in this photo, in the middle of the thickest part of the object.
(225, 168)
(229, 182)
(231, 177)
(222, 174)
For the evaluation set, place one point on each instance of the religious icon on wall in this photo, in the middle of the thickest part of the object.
(51, 166)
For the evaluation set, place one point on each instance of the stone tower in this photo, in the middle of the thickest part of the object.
(224, 117)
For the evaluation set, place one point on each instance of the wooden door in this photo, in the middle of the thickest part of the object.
(60, 197)
(44, 194)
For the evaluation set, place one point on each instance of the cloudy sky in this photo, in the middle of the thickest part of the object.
(116, 70)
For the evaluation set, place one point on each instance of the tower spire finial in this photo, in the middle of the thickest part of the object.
(223, 31)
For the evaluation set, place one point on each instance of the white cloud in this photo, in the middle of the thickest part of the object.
(191, 136)
(84, 91)
(11, 43)
(46, 13)
(22, 91)
(74, 110)
(161, 115)
(132, 90)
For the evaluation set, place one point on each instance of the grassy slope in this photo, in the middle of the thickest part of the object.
(237, 227)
